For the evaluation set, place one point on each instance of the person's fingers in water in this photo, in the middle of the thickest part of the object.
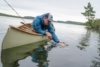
(62, 44)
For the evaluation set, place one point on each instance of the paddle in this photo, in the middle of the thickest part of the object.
(23, 23)
(27, 26)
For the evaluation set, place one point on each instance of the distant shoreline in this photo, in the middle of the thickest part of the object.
(8, 15)
(31, 18)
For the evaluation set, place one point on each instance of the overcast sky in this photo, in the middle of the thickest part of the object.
(60, 9)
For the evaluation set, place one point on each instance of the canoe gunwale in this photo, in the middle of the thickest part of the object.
(10, 26)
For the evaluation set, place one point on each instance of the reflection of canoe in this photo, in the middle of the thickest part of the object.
(18, 36)
(10, 57)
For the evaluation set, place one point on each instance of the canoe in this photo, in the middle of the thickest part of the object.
(21, 35)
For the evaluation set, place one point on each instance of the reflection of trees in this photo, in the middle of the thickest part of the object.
(96, 62)
(84, 43)
(84, 40)
(99, 44)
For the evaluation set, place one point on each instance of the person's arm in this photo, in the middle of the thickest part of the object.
(51, 30)
(37, 26)
(54, 37)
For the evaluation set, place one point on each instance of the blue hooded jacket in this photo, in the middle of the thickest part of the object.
(38, 25)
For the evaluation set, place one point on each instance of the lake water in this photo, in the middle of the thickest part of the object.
(83, 49)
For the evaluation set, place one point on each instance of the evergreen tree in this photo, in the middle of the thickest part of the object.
(89, 13)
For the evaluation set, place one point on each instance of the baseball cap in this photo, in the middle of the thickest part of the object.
(49, 17)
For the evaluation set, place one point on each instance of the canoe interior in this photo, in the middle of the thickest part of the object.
(27, 28)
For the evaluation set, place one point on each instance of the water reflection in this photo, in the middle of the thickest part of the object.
(40, 57)
(96, 62)
(84, 42)
(10, 57)
(39, 53)
(99, 43)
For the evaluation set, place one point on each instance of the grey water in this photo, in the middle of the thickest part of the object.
(83, 49)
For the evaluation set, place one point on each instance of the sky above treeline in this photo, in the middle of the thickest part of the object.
(60, 9)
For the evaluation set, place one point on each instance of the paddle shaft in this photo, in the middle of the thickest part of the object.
(14, 10)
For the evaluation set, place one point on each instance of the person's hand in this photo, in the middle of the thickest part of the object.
(62, 44)
(49, 35)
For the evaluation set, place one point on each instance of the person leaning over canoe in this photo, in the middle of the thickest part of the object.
(42, 24)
